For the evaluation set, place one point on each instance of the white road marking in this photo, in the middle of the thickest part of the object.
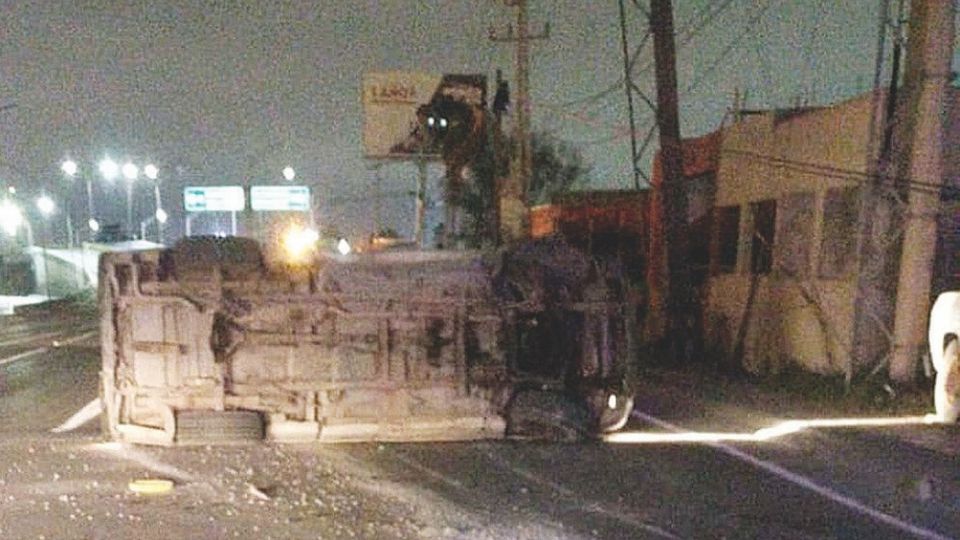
(41, 350)
(804, 482)
(87, 413)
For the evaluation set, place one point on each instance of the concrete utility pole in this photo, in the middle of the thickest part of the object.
(926, 81)
(513, 195)
(679, 296)
(880, 216)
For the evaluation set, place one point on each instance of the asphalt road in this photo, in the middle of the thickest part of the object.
(841, 482)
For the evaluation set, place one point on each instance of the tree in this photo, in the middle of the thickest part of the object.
(557, 166)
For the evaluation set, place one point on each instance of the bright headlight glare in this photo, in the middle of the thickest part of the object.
(299, 242)
(782, 429)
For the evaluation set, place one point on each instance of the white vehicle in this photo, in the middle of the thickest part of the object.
(945, 354)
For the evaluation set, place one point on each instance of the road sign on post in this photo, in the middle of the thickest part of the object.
(214, 199)
(280, 198)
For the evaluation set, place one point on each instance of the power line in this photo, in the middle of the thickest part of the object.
(751, 24)
(706, 18)
(838, 173)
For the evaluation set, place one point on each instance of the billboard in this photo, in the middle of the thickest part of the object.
(214, 199)
(396, 105)
(280, 198)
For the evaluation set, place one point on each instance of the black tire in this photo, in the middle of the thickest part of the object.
(199, 426)
(547, 415)
(946, 393)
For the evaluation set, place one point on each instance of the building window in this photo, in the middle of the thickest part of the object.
(794, 231)
(838, 248)
(726, 239)
(764, 215)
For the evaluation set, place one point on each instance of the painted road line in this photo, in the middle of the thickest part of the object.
(804, 482)
(41, 350)
(87, 413)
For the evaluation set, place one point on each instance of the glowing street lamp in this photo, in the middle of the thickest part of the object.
(130, 171)
(109, 169)
(46, 205)
(69, 168)
(289, 173)
(151, 171)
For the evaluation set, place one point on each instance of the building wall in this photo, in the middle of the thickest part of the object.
(795, 314)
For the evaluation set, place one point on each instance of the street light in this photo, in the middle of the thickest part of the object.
(153, 173)
(69, 168)
(130, 173)
(109, 169)
(160, 216)
(46, 206)
(289, 173)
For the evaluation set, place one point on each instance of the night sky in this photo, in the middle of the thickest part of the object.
(222, 92)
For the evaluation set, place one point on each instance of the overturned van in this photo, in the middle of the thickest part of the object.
(209, 341)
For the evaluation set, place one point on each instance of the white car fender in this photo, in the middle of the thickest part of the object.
(944, 320)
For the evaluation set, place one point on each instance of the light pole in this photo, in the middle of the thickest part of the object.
(130, 173)
(188, 223)
(109, 170)
(160, 216)
(153, 173)
(46, 206)
(70, 168)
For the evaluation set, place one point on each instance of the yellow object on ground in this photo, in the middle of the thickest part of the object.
(151, 486)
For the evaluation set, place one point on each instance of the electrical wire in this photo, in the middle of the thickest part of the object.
(703, 19)
(751, 25)
(839, 173)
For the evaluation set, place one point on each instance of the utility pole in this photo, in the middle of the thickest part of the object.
(679, 295)
(926, 80)
(513, 195)
(880, 216)
(901, 203)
